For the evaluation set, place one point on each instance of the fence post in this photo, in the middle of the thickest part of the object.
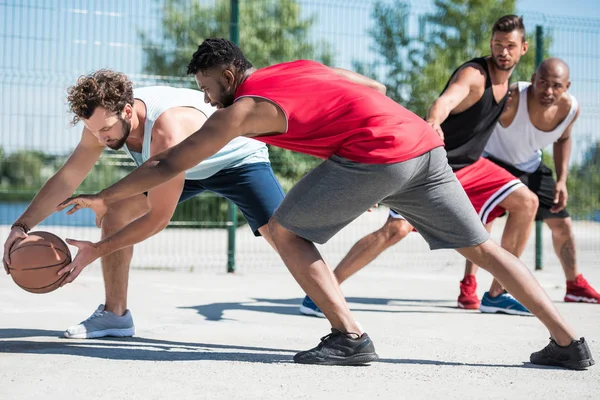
(539, 57)
(234, 35)
(231, 229)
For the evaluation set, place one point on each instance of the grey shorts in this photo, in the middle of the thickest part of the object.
(424, 190)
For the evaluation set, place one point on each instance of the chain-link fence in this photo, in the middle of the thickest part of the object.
(46, 45)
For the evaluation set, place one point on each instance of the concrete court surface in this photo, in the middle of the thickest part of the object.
(218, 336)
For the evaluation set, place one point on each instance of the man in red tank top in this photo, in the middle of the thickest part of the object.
(466, 113)
(375, 151)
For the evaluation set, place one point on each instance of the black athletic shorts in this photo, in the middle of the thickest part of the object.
(541, 182)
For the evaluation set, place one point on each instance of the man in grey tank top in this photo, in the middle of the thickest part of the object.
(144, 122)
(537, 115)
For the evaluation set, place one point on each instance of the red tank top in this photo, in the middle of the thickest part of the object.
(327, 114)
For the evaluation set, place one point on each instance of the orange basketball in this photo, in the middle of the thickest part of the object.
(36, 260)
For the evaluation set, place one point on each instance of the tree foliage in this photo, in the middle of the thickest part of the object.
(270, 32)
(419, 62)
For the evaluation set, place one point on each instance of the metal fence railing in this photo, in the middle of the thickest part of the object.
(46, 45)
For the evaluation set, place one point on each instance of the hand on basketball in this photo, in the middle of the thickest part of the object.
(87, 253)
(16, 233)
(560, 197)
(93, 201)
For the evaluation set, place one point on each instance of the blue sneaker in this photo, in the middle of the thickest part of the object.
(308, 307)
(503, 303)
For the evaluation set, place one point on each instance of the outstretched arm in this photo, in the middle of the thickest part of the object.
(217, 131)
(59, 186)
(459, 88)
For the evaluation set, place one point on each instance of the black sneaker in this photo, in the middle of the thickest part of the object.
(577, 355)
(338, 349)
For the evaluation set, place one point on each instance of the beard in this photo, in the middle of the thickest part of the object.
(126, 130)
(228, 96)
(503, 67)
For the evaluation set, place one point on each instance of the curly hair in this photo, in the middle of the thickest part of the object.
(218, 52)
(509, 23)
(103, 88)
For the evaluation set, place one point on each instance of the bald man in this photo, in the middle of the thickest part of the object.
(538, 114)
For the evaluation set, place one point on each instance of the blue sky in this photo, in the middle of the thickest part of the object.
(577, 8)
(45, 45)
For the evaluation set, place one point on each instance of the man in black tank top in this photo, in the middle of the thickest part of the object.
(467, 132)
(465, 115)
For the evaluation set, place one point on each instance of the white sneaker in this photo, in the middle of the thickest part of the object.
(102, 323)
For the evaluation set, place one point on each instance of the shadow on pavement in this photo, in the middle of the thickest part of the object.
(135, 348)
(459, 364)
(146, 349)
(215, 311)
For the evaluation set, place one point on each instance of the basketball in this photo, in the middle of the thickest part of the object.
(36, 260)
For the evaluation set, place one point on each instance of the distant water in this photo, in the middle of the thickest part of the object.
(9, 212)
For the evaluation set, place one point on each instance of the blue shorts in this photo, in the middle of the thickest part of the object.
(252, 187)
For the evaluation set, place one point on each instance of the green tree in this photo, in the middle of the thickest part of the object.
(583, 183)
(25, 170)
(23, 173)
(418, 65)
(107, 171)
(271, 31)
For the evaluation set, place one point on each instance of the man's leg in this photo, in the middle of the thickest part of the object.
(519, 281)
(371, 246)
(468, 298)
(347, 344)
(322, 203)
(314, 276)
(578, 289)
(564, 348)
(492, 190)
(521, 206)
(362, 253)
(265, 233)
(113, 318)
(440, 211)
(564, 245)
(115, 266)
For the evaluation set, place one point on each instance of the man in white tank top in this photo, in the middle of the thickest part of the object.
(538, 114)
(144, 122)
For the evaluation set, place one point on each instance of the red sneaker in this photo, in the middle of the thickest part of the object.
(468, 294)
(580, 291)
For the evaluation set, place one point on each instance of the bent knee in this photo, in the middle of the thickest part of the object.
(561, 226)
(396, 230)
(276, 230)
(123, 212)
(531, 202)
(522, 200)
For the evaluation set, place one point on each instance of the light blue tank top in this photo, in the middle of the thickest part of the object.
(158, 99)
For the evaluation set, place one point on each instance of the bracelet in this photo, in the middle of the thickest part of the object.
(20, 225)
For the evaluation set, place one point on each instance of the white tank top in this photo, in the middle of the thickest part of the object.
(520, 143)
(158, 99)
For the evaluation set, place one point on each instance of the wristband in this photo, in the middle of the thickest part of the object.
(20, 225)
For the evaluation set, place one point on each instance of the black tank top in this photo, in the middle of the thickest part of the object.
(467, 133)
